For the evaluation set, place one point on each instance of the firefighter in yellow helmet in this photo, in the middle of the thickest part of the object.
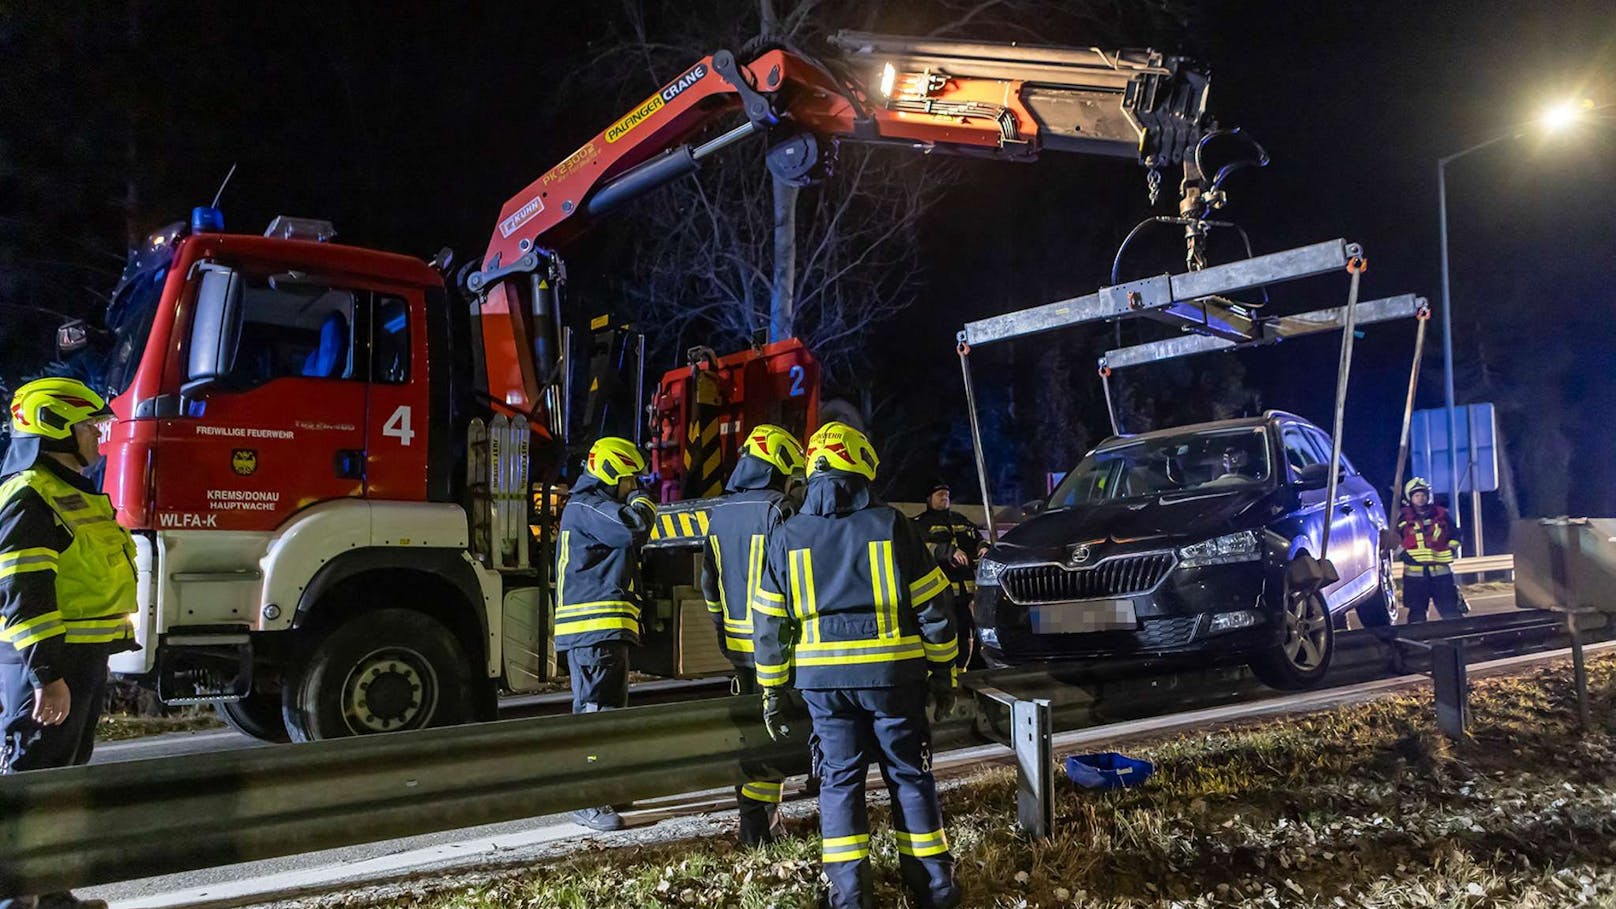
(607, 520)
(67, 586)
(1429, 550)
(853, 611)
(739, 525)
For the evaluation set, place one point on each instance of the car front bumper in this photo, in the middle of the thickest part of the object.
(1177, 617)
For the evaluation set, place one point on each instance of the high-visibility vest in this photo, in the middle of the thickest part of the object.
(1427, 542)
(95, 574)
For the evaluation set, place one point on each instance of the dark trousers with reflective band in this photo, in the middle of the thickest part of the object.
(758, 799)
(29, 746)
(599, 675)
(1421, 590)
(852, 728)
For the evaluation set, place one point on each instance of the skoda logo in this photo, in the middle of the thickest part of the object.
(1080, 553)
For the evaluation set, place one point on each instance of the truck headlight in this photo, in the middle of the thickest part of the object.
(1234, 547)
(988, 571)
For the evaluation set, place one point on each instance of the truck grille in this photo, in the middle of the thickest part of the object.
(1118, 577)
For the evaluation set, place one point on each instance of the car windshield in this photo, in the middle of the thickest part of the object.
(1210, 461)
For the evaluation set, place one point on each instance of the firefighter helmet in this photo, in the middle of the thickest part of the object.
(1415, 484)
(613, 458)
(838, 446)
(770, 443)
(49, 408)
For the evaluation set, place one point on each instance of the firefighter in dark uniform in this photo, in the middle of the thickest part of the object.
(67, 587)
(738, 527)
(1429, 550)
(854, 613)
(956, 543)
(607, 520)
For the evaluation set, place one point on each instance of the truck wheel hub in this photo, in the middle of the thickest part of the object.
(389, 690)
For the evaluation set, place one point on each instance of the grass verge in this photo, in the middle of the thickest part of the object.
(1363, 807)
(120, 727)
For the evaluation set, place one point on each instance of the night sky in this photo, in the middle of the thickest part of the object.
(410, 128)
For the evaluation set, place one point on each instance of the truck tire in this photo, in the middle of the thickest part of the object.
(382, 671)
(1301, 657)
(258, 715)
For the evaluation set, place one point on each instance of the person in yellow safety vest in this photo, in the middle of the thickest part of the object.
(957, 545)
(1429, 550)
(853, 611)
(67, 587)
(607, 520)
(739, 525)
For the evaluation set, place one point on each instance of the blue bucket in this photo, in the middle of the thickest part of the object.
(1108, 770)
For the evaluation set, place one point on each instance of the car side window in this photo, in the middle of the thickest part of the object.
(1299, 451)
(1322, 443)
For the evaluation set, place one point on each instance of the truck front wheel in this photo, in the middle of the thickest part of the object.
(381, 671)
(257, 715)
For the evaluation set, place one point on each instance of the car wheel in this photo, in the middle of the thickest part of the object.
(1302, 656)
(382, 671)
(258, 715)
(1380, 609)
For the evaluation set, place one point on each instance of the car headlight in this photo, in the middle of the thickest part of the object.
(988, 571)
(1234, 547)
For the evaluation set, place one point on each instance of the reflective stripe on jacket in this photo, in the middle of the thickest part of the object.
(738, 527)
(67, 569)
(1429, 546)
(598, 566)
(850, 596)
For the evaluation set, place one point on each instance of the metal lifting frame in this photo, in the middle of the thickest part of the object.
(1193, 302)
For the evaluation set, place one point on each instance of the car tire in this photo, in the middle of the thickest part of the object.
(258, 715)
(1301, 657)
(382, 671)
(1380, 609)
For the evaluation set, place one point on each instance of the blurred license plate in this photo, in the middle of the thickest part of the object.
(1089, 615)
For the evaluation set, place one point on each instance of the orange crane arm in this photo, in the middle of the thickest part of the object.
(1003, 101)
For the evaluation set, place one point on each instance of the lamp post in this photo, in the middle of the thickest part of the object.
(1554, 119)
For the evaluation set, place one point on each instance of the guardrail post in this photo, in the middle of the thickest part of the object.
(1579, 668)
(1035, 766)
(1452, 687)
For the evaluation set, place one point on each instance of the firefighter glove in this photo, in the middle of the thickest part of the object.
(777, 716)
(944, 691)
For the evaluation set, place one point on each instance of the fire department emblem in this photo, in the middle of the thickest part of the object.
(244, 461)
(1080, 553)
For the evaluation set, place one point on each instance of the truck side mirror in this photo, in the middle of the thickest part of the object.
(72, 337)
(215, 328)
(1036, 506)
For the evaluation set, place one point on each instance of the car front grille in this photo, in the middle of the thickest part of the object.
(1116, 577)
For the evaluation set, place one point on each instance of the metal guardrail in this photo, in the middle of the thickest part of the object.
(89, 825)
(1472, 565)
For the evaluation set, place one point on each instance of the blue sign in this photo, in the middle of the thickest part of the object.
(1477, 434)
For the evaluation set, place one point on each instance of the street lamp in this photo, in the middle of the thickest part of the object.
(1554, 119)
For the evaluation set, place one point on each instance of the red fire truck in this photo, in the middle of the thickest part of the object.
(331, 457)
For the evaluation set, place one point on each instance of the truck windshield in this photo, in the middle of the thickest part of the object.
(1210, 461)
(134, 303)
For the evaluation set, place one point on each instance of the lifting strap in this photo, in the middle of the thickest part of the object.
(1423, 317)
